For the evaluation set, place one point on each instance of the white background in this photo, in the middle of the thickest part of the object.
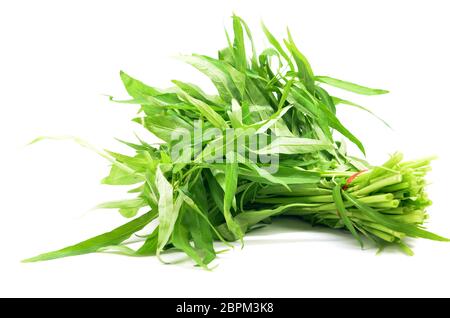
(57, 58)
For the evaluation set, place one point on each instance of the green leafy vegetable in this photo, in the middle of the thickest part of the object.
(262, 147)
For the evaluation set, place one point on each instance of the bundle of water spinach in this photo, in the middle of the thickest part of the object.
(263, 147)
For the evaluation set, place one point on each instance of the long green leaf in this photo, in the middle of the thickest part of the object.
(181, 240)
(305, 72)
(231, 178)
(239, 45)
(294, 145)
(168, 211)
(277, 46)
(136, 88)
(337, 197)
(408, 229)
(206, 110)
(349, 103)
(92, 245)
(351, 87)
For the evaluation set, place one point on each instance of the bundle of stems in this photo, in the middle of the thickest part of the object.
(212, 190)
(384, 204)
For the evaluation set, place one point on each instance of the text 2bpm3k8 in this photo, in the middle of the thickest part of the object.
(226, 307)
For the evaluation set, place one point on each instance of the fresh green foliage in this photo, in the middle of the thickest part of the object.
(112, 238)
(212, 193)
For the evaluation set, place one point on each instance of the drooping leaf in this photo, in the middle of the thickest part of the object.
(231, 178)
(168, 210)
(92, 245)
(181, 240)
(346, 102)
(351, 87)
(343, 213)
